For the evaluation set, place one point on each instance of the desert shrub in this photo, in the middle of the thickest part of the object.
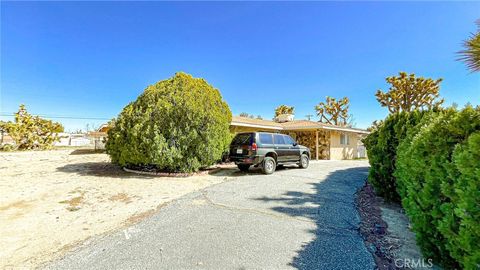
(178, 125)
(440, 186)
(31, 132)
(7, 147)
(382, 145)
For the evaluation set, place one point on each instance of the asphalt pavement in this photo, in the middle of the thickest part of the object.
(292, 219)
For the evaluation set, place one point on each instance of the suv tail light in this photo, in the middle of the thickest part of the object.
(254, 147)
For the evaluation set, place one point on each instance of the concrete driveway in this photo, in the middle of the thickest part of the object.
(295, 218)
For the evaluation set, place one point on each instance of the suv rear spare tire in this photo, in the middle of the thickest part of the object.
(269, 165)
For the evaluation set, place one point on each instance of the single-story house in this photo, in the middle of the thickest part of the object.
(325, 141)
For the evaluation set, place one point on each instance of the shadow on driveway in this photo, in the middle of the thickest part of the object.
(235, 172)
(337, 243)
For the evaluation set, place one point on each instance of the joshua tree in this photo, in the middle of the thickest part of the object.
(284, 109)
(471, 54)
(408, 93)
(244, 114)
(334, 111)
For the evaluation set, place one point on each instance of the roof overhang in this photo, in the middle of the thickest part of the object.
(312, 127)
(346, 129)
(240, 124)
(302, 128)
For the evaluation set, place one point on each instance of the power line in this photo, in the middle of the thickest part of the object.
(61, 117)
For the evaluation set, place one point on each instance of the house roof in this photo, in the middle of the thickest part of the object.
(103, 128)
(301, 124)
(97, 134)
(290, 125)
(252, 122)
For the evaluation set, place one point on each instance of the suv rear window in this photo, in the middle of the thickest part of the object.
(278, 139)
(266, 138)
(243, 138)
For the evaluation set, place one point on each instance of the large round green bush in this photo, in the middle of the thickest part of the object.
(177, 125)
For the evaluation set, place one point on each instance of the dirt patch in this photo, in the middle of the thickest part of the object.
(50, 201)
(407, 253)
(387, 233)
(16, 205)
(138, 217)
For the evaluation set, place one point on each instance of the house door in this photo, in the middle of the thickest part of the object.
(361, 151)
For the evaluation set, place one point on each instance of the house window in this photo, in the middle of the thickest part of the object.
(344, 139)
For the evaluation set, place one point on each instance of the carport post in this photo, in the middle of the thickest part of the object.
(316, 144)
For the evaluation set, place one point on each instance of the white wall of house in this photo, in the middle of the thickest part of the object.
(343, 145)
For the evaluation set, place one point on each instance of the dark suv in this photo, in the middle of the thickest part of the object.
(267, 150)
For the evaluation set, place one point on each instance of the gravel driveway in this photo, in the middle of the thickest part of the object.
(303, 219)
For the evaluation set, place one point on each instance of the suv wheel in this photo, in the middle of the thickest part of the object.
(269, 165)
(243, 167)
(304, 161)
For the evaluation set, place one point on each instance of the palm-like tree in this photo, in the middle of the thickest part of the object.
(471, 54)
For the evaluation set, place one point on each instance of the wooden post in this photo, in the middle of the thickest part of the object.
(316, 144)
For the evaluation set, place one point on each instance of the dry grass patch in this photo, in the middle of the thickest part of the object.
(121, 197)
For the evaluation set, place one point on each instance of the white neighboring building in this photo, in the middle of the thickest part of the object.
(67, 139)
(64, 139)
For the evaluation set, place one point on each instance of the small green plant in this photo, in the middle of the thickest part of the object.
(7, 147)
(177, 125)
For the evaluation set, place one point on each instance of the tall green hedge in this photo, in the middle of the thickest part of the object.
(382, 146)
(465, 237)
(438, 168)
(177, 125)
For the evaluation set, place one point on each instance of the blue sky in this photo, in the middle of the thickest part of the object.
(89, 59)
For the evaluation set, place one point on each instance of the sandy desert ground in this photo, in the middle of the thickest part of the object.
(53, 200)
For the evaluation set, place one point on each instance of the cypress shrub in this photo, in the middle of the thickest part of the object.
(382, 146)
(176, 125)
(427, 119)
(462, 226)
(439, 186)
